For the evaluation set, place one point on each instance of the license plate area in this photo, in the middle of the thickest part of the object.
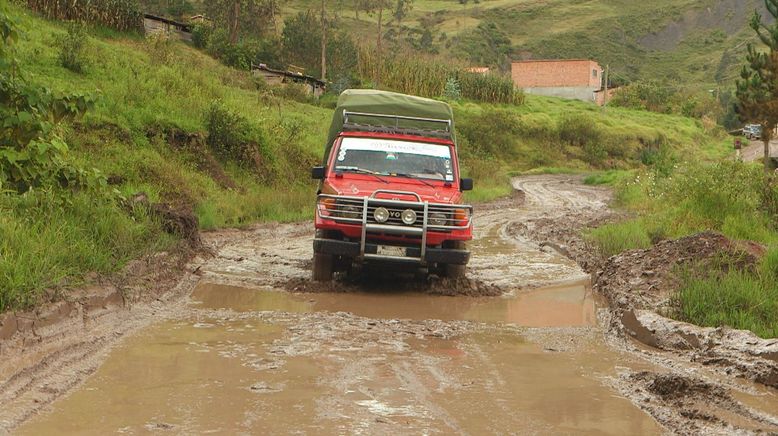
(389, 250)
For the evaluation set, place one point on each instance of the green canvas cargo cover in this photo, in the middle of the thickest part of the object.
(387, 103)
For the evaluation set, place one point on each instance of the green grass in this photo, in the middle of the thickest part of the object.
(148, 91)
(46, 246)
(733, 198)
(738, 299)
(612, 239)
(610, 177)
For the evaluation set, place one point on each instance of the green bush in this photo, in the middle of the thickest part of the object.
(492, 133)
(452, 90)
(579, 130)
(73, 47)
(201, 35)
(228, 132)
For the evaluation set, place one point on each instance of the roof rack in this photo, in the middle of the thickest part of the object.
(438, 128)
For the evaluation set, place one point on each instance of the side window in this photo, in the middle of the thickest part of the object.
(594, 73)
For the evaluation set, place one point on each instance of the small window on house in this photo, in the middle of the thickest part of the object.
(594, 73)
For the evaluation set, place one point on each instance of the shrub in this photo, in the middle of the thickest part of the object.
(160, 48)
(201, 35)
(579, 130)
(73, 47)
(228, 132)
(452, 91)
(32, 155)
(295, 91)
(492, 133)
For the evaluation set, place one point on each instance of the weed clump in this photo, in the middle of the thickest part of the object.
(73, 47)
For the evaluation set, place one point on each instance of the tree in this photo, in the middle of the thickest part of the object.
(303, 47)
(757, 89)
(401, 10)
(323, 41)
(243, 17)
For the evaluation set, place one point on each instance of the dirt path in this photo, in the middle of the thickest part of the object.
(258, 347)
(754, 151)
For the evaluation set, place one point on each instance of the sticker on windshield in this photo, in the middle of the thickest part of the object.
(449, 177)
(391, 156)
(342, 155)
(397, 147)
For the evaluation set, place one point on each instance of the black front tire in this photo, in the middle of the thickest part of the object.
(323, 264)
(449, 270)
(323, 267)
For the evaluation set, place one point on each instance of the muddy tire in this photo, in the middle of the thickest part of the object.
(452, 271)
(323, 264)
(323, 267)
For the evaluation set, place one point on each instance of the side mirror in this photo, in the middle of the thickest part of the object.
(465, 184)
(317, 173)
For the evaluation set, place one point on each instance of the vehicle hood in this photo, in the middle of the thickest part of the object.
(360, 186)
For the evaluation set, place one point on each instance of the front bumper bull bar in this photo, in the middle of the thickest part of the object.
(359, 211)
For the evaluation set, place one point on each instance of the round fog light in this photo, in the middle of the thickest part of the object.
(381, 215)
(408, 216)
(437, 219)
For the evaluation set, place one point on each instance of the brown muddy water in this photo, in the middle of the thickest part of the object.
(254, 361)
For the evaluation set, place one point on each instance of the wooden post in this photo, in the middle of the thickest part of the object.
(378, 45)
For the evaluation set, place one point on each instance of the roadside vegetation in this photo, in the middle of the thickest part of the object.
(734, 198)
(740, 200)
(166, 120)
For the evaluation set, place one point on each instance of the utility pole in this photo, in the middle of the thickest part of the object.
(378, 44)
(323, 42)
(605, 96)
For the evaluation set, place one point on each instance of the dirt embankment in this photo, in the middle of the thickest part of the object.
(638, 285)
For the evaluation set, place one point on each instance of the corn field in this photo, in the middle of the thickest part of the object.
(123, 15)
(427, 78)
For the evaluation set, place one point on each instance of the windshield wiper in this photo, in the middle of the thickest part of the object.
(362, 171)
(411, 176)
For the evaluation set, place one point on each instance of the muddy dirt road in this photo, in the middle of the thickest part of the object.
(257, 348)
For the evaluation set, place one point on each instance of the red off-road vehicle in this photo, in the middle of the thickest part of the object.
(390, 187)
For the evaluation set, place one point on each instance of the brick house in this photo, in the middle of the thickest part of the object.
(577, 79)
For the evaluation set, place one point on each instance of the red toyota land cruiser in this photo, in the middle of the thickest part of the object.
(390, 188)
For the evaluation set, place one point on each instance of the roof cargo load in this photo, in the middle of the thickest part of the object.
(383, 111)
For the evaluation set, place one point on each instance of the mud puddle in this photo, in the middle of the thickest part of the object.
(248, 360)
(558, 306)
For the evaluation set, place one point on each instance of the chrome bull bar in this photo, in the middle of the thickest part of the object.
(357, 210)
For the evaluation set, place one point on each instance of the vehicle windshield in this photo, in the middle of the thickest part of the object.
(395, 158)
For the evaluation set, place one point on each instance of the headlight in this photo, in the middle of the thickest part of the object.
(437, 219)
(408, 216)
(381, 215)
(350, 212)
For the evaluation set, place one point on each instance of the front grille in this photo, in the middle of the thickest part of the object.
(351, 209)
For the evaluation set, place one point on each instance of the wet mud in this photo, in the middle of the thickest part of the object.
(522, 346)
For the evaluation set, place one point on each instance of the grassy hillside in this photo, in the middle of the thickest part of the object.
(149, 133)
(699, 43)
